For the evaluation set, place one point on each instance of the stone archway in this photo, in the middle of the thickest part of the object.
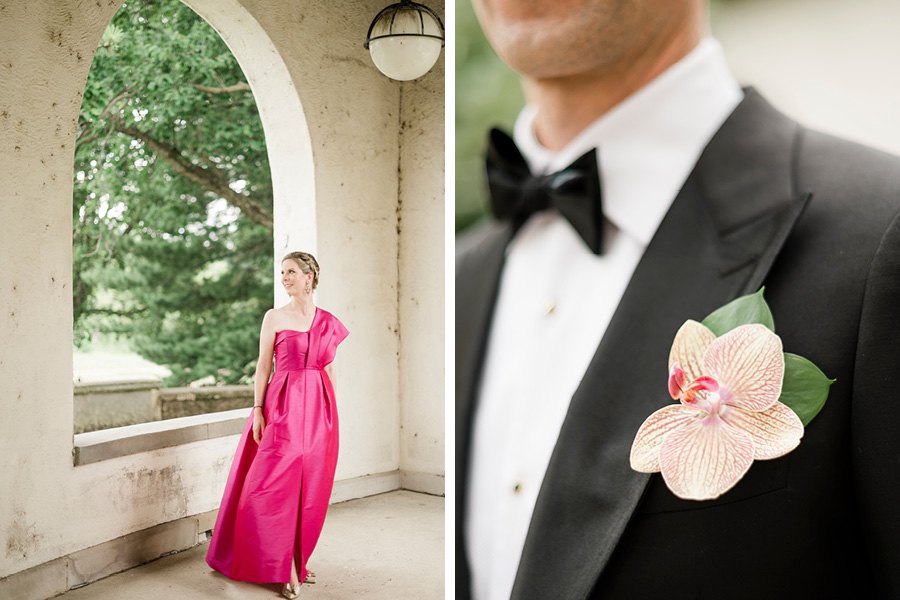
(272, 125)
(284, 122)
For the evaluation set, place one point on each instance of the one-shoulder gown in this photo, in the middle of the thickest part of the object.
(277, 492)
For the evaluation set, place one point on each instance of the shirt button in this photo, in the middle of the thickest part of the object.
(517, 488)
(549, 308)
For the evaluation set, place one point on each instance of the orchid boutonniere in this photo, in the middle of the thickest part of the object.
(741, 398)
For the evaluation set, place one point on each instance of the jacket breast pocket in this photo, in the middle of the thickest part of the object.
(764, 477)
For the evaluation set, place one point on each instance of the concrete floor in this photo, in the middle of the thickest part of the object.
(389, 546)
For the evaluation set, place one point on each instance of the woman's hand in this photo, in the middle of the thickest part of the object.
(259, 424)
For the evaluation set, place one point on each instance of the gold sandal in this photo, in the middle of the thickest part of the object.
(290, 591)
(310, 577)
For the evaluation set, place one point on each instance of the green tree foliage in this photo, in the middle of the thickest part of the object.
(488, 94)
(172, 197)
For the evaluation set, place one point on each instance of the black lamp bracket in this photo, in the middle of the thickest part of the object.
(404, 5)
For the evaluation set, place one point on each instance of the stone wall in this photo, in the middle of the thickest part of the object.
(103, 405)
(188, 401)
(421, 298)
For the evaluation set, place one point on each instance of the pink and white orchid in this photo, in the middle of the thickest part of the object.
(728, 415)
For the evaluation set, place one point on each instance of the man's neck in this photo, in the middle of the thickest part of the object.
(566, 105)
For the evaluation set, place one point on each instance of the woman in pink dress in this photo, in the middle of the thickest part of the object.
(277, 492)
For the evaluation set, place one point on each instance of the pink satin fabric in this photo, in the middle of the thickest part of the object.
(277, 492)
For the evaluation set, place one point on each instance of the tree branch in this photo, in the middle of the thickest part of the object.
(202, 176)
(115, 313)
(112, 108)
(237, 87)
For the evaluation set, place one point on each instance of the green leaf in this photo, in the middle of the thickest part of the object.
(740, 311)
(805, 387)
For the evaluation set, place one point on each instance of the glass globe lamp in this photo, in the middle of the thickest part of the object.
(405, 40)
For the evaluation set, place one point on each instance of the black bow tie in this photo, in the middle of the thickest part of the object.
(516, 194)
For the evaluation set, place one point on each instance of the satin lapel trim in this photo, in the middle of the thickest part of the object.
(701, 257)
(783, 224)
(477, 284)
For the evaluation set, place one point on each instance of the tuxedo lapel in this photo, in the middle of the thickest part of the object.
(718, 241)
(477, 284)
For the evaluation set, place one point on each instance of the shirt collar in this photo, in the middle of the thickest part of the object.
(648, 143)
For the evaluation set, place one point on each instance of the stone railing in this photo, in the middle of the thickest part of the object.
(185, 401)
(101, 406)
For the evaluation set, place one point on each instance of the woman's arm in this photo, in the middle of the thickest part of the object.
(263, 371)
(264, 362)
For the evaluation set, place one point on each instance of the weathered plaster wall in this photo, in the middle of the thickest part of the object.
(421, 302)
(351, 111)
(345, 178)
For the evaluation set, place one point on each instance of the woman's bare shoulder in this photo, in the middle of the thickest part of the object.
(270, 318)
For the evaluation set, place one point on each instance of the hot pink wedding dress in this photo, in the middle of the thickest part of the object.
(277, 492)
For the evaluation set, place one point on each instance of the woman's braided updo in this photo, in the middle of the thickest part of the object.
(307, 264)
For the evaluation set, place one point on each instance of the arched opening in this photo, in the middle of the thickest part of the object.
(288, 148)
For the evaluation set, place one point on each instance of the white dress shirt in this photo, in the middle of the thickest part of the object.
(556, 297)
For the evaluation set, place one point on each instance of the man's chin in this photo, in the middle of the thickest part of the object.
(554, 47)
(533, 60)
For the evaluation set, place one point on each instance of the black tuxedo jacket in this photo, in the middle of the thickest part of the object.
(814, 219)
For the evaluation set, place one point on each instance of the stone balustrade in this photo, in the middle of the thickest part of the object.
(104, 405)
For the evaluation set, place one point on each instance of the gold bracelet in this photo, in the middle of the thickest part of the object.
(257, 406)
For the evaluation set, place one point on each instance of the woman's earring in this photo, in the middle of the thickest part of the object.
(308, 288)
